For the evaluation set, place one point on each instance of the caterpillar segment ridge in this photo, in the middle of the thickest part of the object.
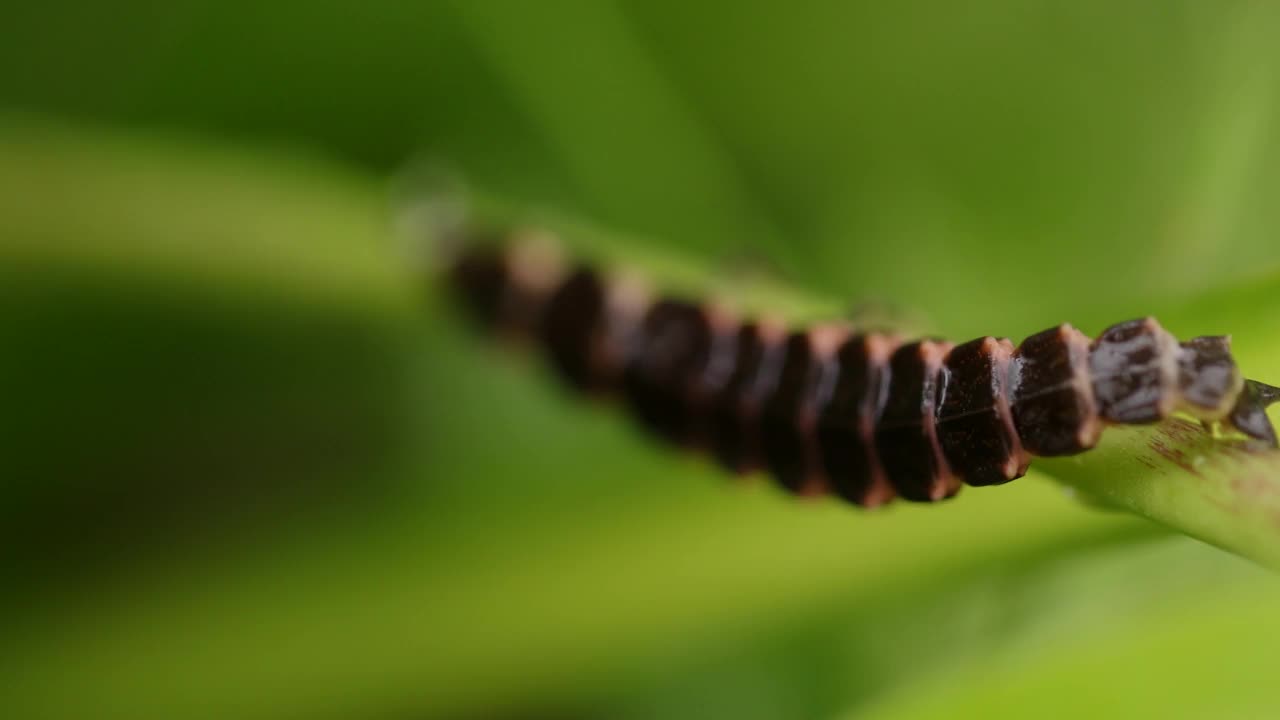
(868, 416)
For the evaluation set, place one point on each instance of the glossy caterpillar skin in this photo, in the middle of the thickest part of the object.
(866, 415)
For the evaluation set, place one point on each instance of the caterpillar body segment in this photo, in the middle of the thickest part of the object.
(738, 404)
(665, 380)
(975, 419)
(830, 409)
(848, 419)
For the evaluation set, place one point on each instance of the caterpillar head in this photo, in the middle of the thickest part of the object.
(1250, 413)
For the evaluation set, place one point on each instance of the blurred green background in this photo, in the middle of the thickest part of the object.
(252, 467)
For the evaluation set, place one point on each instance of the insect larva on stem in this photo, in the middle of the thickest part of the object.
(864, 415)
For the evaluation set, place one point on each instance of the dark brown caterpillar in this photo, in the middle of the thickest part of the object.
(862, 414)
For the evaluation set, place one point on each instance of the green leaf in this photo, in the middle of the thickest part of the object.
(647, 551)
(1001, 166)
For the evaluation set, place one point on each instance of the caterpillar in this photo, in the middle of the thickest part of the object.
(866, 415)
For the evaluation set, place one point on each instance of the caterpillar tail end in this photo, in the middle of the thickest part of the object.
(432, 211)
(1250, 413)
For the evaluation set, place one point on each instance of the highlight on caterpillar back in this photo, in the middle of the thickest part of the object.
(866, 415)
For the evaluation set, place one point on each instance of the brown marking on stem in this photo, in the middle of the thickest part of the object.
(1173, 454)
(1147, 462)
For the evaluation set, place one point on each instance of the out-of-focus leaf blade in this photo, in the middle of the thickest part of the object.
(609, 551)
(1201, 650)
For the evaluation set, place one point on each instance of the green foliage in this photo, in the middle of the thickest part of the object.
(252, 468)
